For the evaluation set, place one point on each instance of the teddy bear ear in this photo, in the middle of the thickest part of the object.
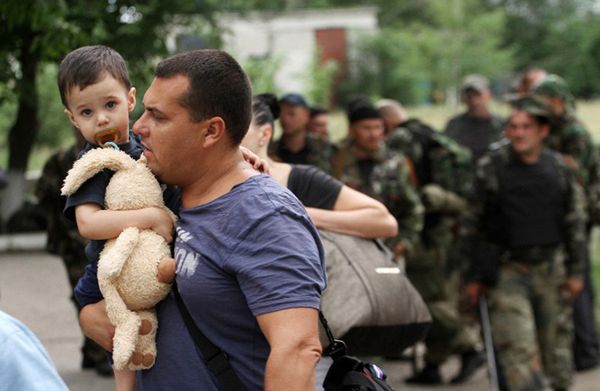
(91, 164)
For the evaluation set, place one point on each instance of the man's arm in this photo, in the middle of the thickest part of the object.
(575, 236)
(96, 223)
(293, 336)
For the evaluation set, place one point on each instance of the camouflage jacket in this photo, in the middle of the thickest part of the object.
(483, 232)
(389, 181)
(63, 236)
(317, 152)
(569, 137)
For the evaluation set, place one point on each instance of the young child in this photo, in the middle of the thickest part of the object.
(98, 97)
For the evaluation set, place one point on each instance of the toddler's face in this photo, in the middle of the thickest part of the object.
(101, 110)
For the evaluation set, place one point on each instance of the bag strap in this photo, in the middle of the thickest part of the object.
(215, 359)
(336, 347)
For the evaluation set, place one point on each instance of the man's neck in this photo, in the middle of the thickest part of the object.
(360, 153)
(531, 157)
(482, 112)
(216, 179)
(294, 141)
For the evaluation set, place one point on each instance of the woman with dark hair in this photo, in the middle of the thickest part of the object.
(331, 205)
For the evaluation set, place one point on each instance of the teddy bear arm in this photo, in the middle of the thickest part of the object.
(114, 259)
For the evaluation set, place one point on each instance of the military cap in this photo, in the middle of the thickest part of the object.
(555, 86)
(475, 82)
(533, 105)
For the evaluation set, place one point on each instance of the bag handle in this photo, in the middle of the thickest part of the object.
(215, 359)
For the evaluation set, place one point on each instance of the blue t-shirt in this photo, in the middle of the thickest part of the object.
(92, 192)
(24, 363)
(251, 251)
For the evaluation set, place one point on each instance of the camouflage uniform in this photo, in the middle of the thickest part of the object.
(441, 162)
(63, 237)
(317, 152)
(389, 181)
(527, 304)
(569, 137)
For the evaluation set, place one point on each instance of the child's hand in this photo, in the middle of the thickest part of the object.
(162, 223)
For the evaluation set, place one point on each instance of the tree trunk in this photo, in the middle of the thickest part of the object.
(24, 130)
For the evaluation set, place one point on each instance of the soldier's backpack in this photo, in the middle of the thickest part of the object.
(438, 159)
(369, 301)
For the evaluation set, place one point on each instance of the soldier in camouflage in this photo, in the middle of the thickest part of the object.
(569, 137)
(64, 239)
(477, 127)
(527, 214)
(444, 172)
(297, 145)
(364, 163)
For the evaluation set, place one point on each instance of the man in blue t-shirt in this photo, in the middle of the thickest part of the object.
(249, 260)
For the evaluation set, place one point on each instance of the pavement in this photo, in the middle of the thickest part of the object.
(34, 289)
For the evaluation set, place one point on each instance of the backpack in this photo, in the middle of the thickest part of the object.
(369, 300)
(441, 160)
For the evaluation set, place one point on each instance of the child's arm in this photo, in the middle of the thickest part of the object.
(95, 223)
(124, 380)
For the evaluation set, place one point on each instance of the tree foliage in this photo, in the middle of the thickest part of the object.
(34, 33)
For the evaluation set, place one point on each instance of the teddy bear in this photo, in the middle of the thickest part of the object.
(135, 269)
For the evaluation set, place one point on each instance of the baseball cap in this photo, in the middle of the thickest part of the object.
(293, 99)
(475, 82)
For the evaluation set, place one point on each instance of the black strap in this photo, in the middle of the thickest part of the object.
(336, 347)
(215, 359)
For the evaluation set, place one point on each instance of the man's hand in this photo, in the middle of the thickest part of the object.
(573, 286)
(162, 223)
(399, 249)
(95, 324)
(570, 161)
(472, 290)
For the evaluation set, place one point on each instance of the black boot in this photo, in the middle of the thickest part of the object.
(430, 374)
(471, 361)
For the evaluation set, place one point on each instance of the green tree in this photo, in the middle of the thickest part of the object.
(445, 41)
(37, 32)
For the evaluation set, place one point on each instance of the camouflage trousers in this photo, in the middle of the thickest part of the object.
(450, 333)
(531, 325)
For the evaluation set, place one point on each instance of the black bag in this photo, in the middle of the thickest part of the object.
(369, 301)
(348, 373)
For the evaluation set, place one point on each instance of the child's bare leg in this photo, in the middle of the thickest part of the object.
(124, 380)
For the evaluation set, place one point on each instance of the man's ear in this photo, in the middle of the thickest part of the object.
(131, 99)
(71, 117)
(545, 130)
(214, 131)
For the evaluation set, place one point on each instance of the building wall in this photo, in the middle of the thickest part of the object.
(290, 37)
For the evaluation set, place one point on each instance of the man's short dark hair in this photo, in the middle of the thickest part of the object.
(218, 87)
(86, 65)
